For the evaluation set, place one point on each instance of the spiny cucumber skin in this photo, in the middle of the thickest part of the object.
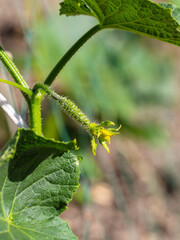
(73, 111)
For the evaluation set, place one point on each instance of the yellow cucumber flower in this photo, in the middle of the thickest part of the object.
(102, 134)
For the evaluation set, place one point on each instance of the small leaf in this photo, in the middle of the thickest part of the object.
(93, 145)
(138, 16)
(105, 146)
(38, 179)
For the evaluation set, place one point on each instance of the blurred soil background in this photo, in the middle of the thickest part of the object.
(133, 193)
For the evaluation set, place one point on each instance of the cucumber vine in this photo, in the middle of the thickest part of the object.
(38, 175)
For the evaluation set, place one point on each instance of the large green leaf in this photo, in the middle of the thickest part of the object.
(138, 16)
(38, 178)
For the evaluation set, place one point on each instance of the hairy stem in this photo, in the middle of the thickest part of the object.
(35, 111)
(33, 100)
(12, 69)
(59, 66)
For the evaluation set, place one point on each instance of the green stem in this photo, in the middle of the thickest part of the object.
(35, 111)
(23, 89)
(59, 66)
(12, 69)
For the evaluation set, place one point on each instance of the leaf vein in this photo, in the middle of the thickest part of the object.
(38, 181)
(2, 202)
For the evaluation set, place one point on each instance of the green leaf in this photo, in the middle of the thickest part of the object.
(94, 145)
(138, 16)
(38, 179)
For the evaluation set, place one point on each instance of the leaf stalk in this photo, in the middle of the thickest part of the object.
(62, 62)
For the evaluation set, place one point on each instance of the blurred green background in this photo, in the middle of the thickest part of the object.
(132, 193)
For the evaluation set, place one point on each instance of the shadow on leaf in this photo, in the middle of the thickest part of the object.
(23, 165)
